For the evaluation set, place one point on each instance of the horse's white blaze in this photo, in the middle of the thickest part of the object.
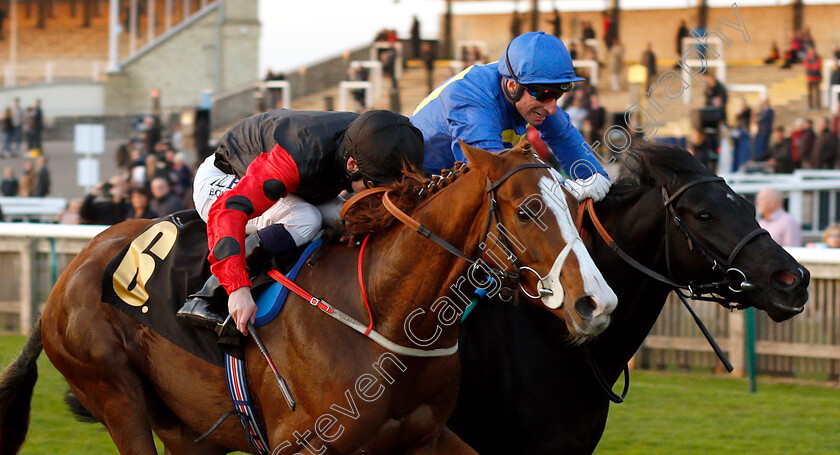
(594, 284)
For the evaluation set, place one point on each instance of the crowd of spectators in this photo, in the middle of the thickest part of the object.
(18, 125)
(34, 180)
(152, 180)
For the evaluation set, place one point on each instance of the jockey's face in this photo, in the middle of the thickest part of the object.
(533, 111)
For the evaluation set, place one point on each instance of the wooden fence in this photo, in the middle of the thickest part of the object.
(33, 255)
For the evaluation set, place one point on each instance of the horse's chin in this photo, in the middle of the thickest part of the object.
(780, 308)
(581, 333)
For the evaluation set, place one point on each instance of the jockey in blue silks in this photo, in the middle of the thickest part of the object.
(489, 107)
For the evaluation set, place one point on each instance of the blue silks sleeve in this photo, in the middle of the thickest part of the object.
(572, 151)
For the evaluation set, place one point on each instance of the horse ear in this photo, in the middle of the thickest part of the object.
(523, 146)
(478, 157)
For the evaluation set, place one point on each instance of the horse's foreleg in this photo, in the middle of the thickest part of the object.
(446, 443)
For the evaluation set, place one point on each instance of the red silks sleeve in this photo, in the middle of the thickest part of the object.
(268, 178)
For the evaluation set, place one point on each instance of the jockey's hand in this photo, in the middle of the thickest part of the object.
(242, 308)
(596, 187)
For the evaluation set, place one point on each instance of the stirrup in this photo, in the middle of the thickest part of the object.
(226, 328)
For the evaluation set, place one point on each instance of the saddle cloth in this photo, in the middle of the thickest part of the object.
(151, 278)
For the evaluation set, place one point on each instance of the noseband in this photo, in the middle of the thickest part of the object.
(734, 279)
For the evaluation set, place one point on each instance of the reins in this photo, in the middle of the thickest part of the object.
(734, 279)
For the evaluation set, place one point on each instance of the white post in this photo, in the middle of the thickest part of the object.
(48, 71)
(150, 21)
(185, 9)
(113, 36)
(795, 205)
(169, 7)
(11, 75)
(203, 3)
(132, 28)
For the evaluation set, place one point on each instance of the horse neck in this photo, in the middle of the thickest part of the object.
(423, 271)
(637, 226)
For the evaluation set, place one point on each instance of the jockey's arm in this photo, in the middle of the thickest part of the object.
(569, 146)
(268, 178)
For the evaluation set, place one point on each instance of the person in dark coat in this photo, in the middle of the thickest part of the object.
(778, 155)
(42, 178)
(140, 197)
(597, 119)
(10, 185)
(805, 143)
(415, 37)
(714, 89)
(824, 154)
(428, 54)
(556, 23)
(102, 207)
(649, 62)
(764, 119)
(682, 32)
(165, 202)
(515, 25)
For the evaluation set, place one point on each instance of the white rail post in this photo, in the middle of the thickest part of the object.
(48, 71)
(113, 36)
(736, 343)
(28, 306)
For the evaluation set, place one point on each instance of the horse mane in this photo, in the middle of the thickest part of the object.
(651, 164)
(370, 215)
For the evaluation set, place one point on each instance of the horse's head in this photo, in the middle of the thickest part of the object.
(535, 230)
(710, 223)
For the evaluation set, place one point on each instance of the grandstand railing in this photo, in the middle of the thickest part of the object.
(32, 256)
(37, 70)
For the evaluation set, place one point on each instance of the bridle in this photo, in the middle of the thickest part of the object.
(733, 278)
(478, 265)
(506, 293)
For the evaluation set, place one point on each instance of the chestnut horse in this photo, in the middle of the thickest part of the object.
(353, 396)
(546, 399)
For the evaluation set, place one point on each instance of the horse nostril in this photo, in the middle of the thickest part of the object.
(585, 306)
(786, 278)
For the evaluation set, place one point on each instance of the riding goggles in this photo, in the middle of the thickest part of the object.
(544, 93)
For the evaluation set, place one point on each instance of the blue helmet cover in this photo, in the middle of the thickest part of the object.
(538, 58)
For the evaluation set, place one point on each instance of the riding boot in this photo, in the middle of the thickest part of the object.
(208, 307)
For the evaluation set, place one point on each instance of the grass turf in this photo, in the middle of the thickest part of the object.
(666, 413)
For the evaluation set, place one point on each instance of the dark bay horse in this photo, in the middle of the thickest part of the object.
(526, 389)
(353, 396)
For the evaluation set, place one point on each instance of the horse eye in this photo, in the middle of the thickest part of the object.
(522, 215)
(704, 216)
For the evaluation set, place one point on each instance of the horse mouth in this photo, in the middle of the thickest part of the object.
(583, 324)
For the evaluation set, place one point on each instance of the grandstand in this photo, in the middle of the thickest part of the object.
(55, 48)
